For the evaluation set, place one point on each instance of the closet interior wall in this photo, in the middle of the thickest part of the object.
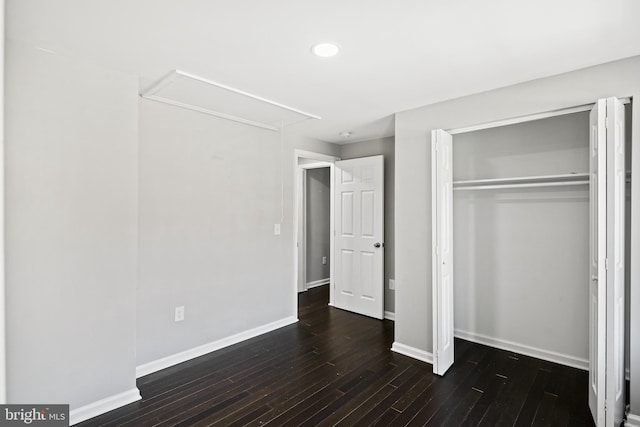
(521, 254)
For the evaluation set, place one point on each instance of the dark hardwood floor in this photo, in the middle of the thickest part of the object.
(335, 368)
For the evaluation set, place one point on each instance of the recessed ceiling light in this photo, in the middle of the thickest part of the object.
(325, 50)
(345, 134)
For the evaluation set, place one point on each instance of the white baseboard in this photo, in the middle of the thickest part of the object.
(632, 420)
(551, 356)
(103, 405)
(317, 283)
(413, 352)
(390, 315)
(183, 356)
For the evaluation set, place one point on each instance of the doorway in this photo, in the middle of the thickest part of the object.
(356, 277)
(313, 240)
(315, 260)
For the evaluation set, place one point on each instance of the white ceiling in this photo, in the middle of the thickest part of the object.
(395, 55)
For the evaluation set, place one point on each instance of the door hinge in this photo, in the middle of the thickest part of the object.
(605, 406)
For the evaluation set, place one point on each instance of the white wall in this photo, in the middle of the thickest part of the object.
(211, 191)
(318, 197)
(3, 360)
(413, 183)
(374, 147)
(80, 234)
(71, 228)
(521, 255)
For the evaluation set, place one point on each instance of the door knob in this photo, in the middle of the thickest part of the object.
(377, 245)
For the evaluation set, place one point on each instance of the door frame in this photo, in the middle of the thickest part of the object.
(320, 161)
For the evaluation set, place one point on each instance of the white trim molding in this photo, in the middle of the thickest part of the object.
(529, 118)
(183, 356)
(390, 315)
(551, 356)
(412, 352)
(314, 156)
(102, 406)
(632, 420)
(317, 283)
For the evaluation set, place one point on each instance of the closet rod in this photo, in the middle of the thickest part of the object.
(525, 179)
(529, 118)
(526, 185)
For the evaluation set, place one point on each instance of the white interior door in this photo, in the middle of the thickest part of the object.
(606, 293)
(359, 252)
(442, 236)
(615, 381)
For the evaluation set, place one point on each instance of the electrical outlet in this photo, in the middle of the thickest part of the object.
(392, 284)
(324, 260)
(276, 229)
(180, 313)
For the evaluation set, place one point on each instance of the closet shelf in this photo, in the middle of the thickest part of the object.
(523, 182)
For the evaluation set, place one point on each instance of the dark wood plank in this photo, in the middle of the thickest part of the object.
(491, 384)
(448, 391)
(334, 368)
(375, 407)
(534, 396)
(425, 405)
(508, 404)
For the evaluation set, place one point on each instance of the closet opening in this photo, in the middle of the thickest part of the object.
(519, 233)
(521, 237)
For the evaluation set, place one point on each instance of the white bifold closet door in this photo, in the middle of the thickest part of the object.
(606, 291)
(359, 222)
(442, 228)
